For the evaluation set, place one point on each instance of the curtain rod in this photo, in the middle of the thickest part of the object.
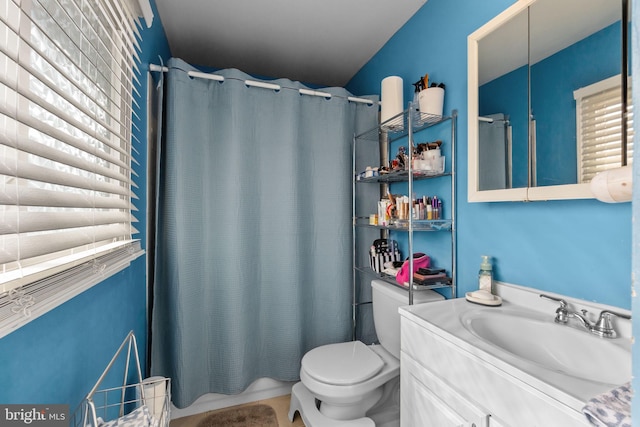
(264, 85)
(490, 119)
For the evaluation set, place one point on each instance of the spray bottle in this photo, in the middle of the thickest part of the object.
(417, 88)
(485, 275)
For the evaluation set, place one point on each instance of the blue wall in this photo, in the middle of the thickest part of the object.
(580, 248)
(59, 356)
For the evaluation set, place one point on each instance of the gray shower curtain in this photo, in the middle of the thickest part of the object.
(494, 154)
(253, 252)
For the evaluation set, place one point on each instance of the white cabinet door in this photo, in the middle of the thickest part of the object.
(428, 402)
(495, 423)
(420, 407)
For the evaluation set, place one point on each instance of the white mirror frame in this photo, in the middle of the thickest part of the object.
(553, 192)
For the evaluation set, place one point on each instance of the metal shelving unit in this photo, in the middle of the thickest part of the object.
(404, 125)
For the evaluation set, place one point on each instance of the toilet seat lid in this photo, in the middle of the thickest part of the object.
(342, 364)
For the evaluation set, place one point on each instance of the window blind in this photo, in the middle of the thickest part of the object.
(599, 126)
(67, 74)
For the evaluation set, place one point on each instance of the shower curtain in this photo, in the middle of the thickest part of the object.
(253, 253)
(494, 154)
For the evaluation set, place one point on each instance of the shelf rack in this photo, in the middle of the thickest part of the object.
(405, 124)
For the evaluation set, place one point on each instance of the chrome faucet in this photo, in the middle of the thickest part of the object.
(603, 327)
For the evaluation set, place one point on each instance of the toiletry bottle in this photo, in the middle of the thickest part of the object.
(485, 276)
(434, 202)
(417, 88)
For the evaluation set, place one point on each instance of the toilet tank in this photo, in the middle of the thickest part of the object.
(387, 298)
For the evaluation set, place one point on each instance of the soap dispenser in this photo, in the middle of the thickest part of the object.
(485, 275)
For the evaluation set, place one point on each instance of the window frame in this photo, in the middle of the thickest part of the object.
(67, 277)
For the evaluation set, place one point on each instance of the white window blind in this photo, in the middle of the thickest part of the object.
(67, 69)
(599, 127)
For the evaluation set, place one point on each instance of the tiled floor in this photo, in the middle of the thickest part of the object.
(279, 404)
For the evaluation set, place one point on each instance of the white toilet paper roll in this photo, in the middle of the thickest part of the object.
(155, 393)
(391, 97)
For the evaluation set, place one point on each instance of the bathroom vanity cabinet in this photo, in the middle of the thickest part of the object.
(377, 147)
(448, 379)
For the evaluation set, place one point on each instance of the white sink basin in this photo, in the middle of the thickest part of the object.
(553, 346)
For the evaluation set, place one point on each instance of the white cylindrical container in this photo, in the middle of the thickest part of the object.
(613, 185)
(431, 101)
(391, 98)
(155, 397)
(432, 154)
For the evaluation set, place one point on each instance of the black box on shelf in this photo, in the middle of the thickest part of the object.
(383, 251)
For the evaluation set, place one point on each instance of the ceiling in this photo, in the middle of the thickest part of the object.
(323, 43)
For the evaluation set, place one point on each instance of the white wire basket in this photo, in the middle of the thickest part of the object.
(137, 402)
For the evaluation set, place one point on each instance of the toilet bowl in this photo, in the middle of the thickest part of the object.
(341, 383)
(347, 377)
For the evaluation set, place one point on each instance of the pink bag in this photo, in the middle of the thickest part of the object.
(420, 260)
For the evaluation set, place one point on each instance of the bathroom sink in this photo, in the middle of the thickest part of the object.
(560, 348)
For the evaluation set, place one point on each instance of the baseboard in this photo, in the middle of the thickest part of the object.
(263, 388)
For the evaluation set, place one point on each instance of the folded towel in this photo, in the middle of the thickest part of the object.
(610, 409)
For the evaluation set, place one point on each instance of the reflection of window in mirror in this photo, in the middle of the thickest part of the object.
(598, 125)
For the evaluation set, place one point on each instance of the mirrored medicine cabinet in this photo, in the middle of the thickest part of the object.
(530, 69)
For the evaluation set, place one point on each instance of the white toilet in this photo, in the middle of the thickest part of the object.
(342, 384)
